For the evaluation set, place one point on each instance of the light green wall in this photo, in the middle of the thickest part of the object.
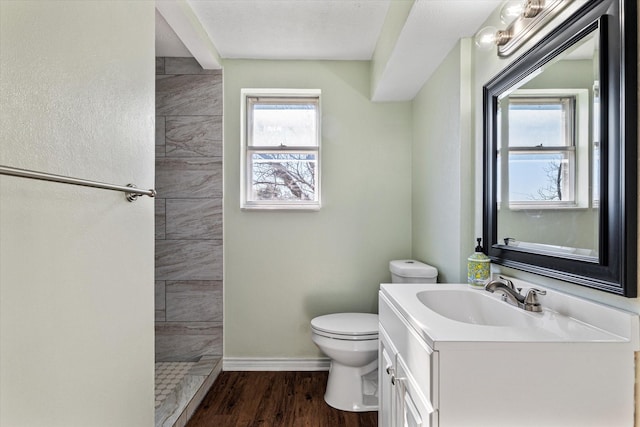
(441, 163)
(284, 268)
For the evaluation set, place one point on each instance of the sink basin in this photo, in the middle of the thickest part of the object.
(456, 315)
(475, 307)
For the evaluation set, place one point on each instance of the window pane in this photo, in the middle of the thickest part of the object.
(291, 124)
(538, 124)
(540, 176)
(283, 176)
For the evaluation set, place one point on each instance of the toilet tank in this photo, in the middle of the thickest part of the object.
(412, 271)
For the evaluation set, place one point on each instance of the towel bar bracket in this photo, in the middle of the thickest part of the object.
(132, 197)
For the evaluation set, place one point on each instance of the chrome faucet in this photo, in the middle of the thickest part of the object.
(509, 292)
(528, 302)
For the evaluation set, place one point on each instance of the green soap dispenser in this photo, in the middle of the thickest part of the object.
(478, 267)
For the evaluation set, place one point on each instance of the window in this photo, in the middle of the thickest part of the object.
(280, 149)
(545, 163)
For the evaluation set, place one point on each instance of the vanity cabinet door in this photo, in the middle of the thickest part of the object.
(412, 407)
(386, 380)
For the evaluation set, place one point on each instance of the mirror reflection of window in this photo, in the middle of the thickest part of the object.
(547, 156)
(546, 135)
(542, 150)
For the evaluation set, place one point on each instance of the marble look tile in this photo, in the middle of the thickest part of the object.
(160, 130)
(192, 406)
(160, 151)
(179, 65)
(160, 218)
(189, 178)
(194, 301)
(160, 313)
(189, 95)
(194, 219)
(172, 412)
(193, 136)
(205, 366)
(159, 65)
(188, 260)
(160, 290)
(187, 341)
(188, 214)
(184, 398)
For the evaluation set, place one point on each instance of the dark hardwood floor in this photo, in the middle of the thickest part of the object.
(287, 399)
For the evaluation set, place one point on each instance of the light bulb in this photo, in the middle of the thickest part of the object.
(485, 39)
(511, 10)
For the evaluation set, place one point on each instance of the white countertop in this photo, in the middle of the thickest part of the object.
(577, 321)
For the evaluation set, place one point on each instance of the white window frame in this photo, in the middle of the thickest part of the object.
(580, 166)
(246, 201)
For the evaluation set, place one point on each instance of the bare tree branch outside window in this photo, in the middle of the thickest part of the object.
(289, 176)
(553, 189)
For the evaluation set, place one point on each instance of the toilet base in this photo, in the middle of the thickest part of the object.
(353, 389)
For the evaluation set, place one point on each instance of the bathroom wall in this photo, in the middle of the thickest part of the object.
(284, 268)
(442, 168)
(76, 263)
(188, 287)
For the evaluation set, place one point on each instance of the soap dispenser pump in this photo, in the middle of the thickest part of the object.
(478, 267)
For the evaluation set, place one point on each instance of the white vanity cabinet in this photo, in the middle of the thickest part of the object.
(438, 372)
(406, 380)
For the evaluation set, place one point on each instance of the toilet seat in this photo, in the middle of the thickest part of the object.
(347, 326)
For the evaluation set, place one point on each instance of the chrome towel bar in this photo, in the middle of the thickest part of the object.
(130, 190)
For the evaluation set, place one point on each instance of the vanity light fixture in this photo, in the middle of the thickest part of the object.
(523, 19)
(488, 37)
(511, 10)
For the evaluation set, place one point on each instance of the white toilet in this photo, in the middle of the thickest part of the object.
(351, 342)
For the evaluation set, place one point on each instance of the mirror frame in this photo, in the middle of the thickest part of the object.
(615, 270)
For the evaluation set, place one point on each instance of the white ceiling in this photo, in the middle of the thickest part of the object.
(326, 30)
(293, 29)
(167, 41)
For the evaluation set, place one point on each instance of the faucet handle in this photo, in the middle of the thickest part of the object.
(508, 282)
(531, 302)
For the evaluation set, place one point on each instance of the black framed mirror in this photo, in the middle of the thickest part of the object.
(560, 153)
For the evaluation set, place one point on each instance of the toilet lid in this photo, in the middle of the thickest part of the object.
(350, 324)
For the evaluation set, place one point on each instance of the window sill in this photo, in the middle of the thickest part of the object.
(548, 208)
(280, 207)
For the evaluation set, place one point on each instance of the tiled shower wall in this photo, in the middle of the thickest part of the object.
(188, 210)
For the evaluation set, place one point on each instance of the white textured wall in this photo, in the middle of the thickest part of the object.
(442, 162)
(76, 264)
(284, 268)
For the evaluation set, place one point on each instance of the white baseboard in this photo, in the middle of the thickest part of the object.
(274, 364)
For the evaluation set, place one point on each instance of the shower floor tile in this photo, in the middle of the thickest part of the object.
(181, 386)
(168, 376)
